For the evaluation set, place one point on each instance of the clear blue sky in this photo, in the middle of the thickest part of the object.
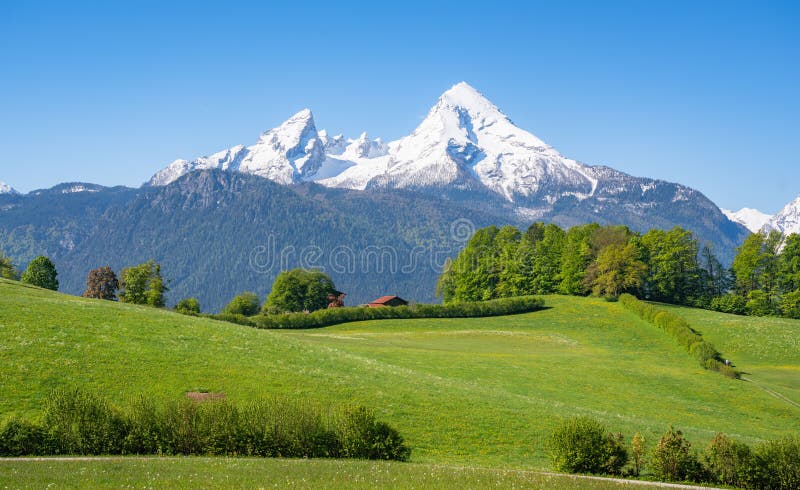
(703, 93)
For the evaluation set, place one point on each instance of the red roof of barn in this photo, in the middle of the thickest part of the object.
(383, 299)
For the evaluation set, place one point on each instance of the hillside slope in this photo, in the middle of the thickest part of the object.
(462, 391)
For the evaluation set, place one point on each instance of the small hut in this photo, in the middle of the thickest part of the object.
(388, 301)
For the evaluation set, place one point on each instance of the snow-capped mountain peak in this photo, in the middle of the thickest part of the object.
(787, 221)
(750, 218)
(6, 189)
(290, 153)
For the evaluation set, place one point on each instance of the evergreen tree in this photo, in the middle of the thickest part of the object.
(41, 272)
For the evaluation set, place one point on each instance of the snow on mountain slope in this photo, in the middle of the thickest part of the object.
(752, 219)
(787, 221)
(292, 152)
(465, 146)
(465, 140)
(6, 189)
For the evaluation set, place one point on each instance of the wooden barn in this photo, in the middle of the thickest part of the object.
(388, 301)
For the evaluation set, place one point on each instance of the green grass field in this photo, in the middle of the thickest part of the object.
(193, 473)
(473, 392)
(766, 349)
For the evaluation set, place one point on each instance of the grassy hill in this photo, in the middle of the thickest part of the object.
(478, 392)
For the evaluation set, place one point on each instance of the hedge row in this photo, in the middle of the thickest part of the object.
(78, 423)
(681, 331)
(583, 445)
(333, 316)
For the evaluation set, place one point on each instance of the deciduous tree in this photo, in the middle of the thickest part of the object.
(101, 283)
(143, 285)
(41, 272)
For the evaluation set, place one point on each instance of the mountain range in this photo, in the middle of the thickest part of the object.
(298, 189)
(786, 221)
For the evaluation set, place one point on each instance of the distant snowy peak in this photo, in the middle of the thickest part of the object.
(292, 152)
(6, 189)
(465, 144)
(787, 221)
(752, 219)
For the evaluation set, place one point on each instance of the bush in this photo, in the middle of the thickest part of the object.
(730, 303)
(21, 438)
(365, 438)
(188, 306)
(246, 304)
(727, 461)
(682, 332)
(671, 459)
(333, 316)
(581, 445)
(79, 423)
(776, 465)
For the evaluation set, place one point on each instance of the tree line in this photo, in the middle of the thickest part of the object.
(668, 266)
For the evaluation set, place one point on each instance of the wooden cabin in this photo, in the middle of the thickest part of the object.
(388, 301)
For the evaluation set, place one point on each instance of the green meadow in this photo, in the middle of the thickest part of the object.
(477, 393)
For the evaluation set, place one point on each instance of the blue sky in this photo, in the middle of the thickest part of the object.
(702, 93)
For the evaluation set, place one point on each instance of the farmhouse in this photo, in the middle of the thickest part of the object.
(388, 301)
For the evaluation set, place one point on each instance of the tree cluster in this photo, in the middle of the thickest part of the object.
(766, 277)
(661, 265)
(603, 260)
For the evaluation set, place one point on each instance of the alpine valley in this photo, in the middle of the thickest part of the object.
(379, 217)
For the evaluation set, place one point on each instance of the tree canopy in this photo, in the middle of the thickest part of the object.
(143, 285)
(41, 272)
(101, 283)
(246, 304)
(299, 290)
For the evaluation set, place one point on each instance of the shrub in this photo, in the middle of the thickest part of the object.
(729, 303)
(21, 438)
(333, 316)
(581, 445)
(727, 461)
(79, 423)
(246, 304)
(776, 465)
(188, 306)
(682, 332)
(365, 438)
(672, 460)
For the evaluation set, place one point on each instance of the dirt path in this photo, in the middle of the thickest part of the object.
(772, 392)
